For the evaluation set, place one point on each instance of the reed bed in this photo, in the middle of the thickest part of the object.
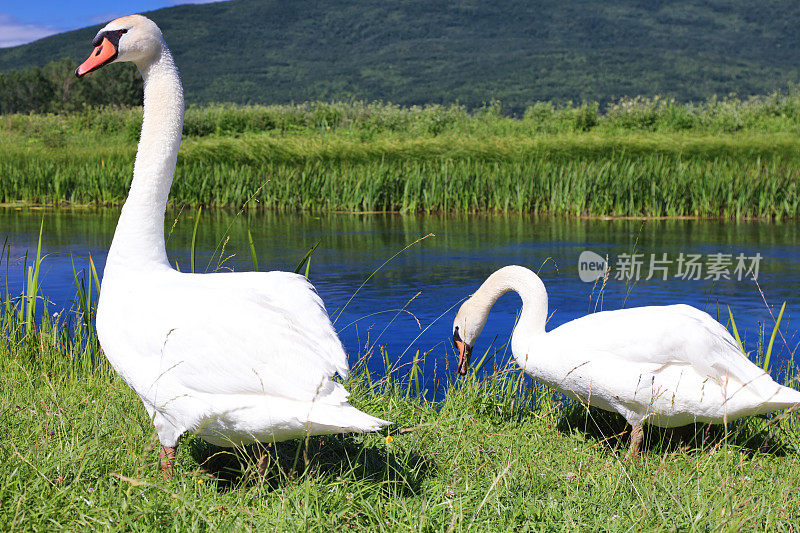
(731, 160)
(230, 174)
(495, 453)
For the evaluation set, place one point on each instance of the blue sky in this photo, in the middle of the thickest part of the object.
(23, 21)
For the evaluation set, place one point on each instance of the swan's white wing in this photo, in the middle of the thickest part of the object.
(724, 355)
(661, 335)
(252, 333)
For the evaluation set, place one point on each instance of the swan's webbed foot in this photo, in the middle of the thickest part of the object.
(167, 455)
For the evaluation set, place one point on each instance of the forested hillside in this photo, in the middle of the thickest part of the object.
(467, 51)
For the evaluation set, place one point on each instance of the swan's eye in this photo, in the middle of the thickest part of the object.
(456, 336)
(112, 36)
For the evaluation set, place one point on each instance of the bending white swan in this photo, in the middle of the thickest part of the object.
(666, 365)
(236, 358)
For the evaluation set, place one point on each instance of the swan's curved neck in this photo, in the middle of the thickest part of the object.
(139, 238)
(525, 283)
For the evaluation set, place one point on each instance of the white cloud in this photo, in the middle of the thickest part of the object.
(13, 33)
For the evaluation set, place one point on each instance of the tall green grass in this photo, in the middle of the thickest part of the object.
(641, 158)
(617, 185)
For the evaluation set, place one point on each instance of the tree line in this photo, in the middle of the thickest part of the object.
(55, 89)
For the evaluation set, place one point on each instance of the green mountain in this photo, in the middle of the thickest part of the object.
(467, 51)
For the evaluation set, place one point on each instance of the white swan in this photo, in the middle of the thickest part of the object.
(666, 365)
(233, 357)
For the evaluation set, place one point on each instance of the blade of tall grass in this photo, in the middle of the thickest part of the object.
(735, 330)
(768, 353)
(193, 249)
(412, 375)
(253, 255)
(84, 302)
(485, 359)
(306, 258)
(94, 273)
(32, 286)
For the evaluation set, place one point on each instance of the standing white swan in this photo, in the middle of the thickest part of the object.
(666, 365)
(233, 357)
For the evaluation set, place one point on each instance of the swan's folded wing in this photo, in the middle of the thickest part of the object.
(270, 338)
(723, 359)
(659, 336)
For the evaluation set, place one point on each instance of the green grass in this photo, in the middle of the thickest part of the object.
(732, 159)
(79, 452)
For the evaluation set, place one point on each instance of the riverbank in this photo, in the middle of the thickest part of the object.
(497, 453)
(80, 451)
(349, 158)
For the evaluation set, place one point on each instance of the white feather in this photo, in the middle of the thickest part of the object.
(668, 365)
(235, 357)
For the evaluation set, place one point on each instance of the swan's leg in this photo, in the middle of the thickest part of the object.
(261, 466)
(167, 455)
(637, 435)
(263, 459)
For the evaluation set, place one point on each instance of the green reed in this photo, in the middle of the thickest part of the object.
(572, 176)
(640, 157)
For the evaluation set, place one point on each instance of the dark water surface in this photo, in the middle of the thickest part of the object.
(446, 267)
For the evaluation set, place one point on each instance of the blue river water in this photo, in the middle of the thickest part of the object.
(408, 304)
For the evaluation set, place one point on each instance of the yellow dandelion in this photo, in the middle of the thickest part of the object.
(327, 127)
(389, 439)
(199, 481)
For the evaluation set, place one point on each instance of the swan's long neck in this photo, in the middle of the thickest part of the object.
(139, 238)
(525, 283)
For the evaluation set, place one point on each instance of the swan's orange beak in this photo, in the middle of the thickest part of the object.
(464, 355)
(103, 54)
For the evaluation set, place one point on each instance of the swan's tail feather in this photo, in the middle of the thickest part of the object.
(784, 398)
(343, 418)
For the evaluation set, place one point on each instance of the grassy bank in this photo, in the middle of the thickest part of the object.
(79, 451)
(494, 454)
(639, 158)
